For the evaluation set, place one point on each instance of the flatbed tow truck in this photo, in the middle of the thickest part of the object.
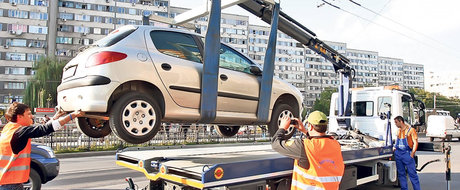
(257, 166)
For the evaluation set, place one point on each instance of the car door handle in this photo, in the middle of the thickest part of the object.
(166, 66)
(223, 77)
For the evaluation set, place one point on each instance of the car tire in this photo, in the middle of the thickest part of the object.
(93, 128)
(135, 118)
(227, 131)
(279, 112)
(35, 181)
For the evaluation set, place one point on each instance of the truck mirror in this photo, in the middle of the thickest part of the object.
(383, 116)
(421, 116)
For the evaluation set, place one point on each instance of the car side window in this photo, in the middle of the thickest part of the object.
(176, 44)
(230, 59)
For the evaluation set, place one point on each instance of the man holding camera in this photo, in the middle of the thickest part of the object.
(318, 158)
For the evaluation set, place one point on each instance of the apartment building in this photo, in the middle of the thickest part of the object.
(27, 33)
(413, 76)
(447, 84)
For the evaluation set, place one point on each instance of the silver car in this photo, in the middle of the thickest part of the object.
(139, 76)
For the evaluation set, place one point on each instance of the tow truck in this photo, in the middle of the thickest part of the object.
(256, 165)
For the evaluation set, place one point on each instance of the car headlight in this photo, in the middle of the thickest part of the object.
(49, 150)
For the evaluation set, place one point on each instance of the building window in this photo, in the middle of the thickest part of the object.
(23, 2)
(81, 29)
(15, 56)
(63, 40)
(18, 14)
(82, 17)
(66, 16)
(16, 42)
(38, 16)
(97, 19)
(13, 85)
(34, 57)
(38, 29)
(39, 2)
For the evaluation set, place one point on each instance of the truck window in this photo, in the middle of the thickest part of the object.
(365, 108)
(381, 101)
(406, 108)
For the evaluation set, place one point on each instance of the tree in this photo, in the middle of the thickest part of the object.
(442, 102)
(322, 104)
(41, 89)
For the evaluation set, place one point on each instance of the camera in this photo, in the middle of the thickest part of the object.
(293, 122)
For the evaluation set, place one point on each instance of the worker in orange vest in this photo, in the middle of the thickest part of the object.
(318, 158)
(15, 142)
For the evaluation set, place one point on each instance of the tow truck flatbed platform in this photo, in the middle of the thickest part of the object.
(207, 166)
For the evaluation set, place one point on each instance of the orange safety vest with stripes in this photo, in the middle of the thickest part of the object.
(14, 168)
(326, 166)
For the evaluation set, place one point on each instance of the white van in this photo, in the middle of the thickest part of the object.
(369, 107)
(442, 126)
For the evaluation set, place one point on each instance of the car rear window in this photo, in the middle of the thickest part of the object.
(115, 36)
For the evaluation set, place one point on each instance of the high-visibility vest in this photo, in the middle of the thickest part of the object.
(14, 168)
(326, 166)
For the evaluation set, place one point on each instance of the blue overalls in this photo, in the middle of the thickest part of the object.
(403, 161)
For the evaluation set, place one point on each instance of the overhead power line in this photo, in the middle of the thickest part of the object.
(404, 26)
(395, 31)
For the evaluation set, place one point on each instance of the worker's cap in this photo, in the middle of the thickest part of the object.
(317, 118)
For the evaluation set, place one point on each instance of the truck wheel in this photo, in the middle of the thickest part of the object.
(93, 128)
(279, 112)
(431, 139)
(135, 118)
(227, 131)
(35, 181)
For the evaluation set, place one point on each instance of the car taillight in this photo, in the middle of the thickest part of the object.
(104, 57)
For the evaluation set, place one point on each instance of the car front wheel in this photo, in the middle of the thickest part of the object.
(279, 112)
(135, 117)
(35, 181)
(93, 128)
(227, 131)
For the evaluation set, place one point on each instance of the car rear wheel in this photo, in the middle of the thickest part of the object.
(35, 181)
(93, 128)
(227, 131)
(135, 118)
(279, 112)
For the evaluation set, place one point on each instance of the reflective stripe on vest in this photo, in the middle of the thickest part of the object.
(316, 178)
(16, 168)
(304, 186)
(25, 155)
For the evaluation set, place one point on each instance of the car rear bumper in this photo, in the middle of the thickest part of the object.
(86, 94)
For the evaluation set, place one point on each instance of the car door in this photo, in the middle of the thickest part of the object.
(238, 87)
(178, 61)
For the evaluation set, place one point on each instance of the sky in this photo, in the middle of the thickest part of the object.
(424, 32)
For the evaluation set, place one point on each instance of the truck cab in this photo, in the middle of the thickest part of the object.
(369, 107)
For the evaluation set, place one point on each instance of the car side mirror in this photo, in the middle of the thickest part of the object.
(255, 70)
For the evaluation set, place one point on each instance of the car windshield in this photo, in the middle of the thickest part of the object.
(115, 36)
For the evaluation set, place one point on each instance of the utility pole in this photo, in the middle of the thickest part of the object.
(434, 104)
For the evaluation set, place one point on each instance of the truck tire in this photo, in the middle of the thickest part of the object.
(35, 181)
(227, 131)
(279, 112)
(135, 117)
(431, 139)
(93, 128)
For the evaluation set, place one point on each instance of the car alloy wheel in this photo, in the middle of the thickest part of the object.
(135, 118)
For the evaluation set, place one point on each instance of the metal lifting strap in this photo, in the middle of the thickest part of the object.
(344, 99)
(268, 70)
(209, 80)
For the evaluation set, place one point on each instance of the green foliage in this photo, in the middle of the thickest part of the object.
(322, 104)
(442, 102)
(42, 88)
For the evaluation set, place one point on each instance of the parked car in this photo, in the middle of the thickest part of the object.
(140, 76)
(442, 126)
(44, 167)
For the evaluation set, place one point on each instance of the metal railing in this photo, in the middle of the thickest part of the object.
(70, 138)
